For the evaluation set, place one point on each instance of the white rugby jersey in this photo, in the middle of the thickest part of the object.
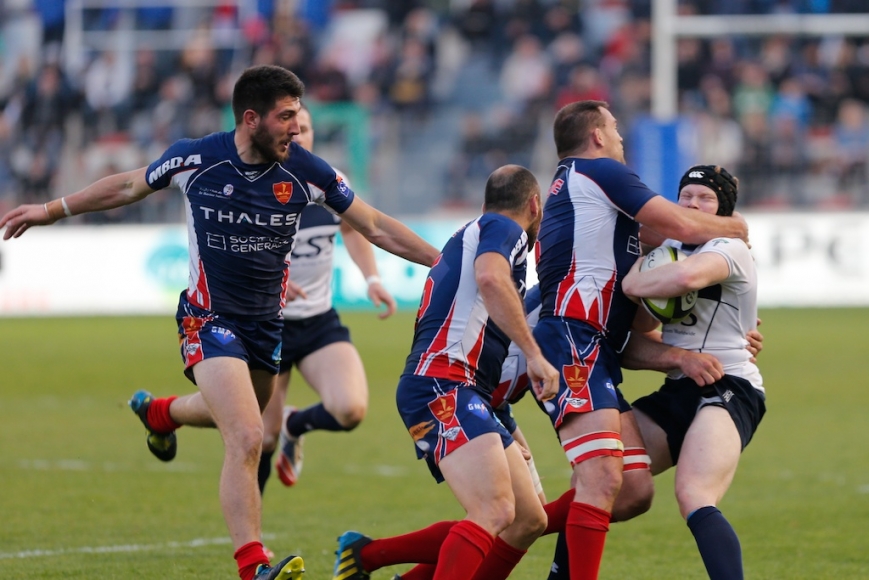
(311, 260)
(724, 312)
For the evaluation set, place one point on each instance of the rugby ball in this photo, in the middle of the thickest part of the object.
(667, 310)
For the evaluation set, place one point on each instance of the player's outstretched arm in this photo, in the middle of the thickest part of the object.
(670, 220)
(645, 351)
(107, 193)
(675, 279)
(388, 233)
(362, 254)
(505, 308)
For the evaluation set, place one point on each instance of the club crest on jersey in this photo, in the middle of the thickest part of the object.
(283, 191)
(227, 189)
(444, 407)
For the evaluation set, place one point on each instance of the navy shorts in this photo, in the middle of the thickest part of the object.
(589, 368)
(674, 406)
(443, 415)
(308, 335)
(205, 334)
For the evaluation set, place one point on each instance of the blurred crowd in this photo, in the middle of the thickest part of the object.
(454, 88)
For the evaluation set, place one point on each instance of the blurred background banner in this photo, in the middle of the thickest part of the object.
(803, 260)
(417, 102)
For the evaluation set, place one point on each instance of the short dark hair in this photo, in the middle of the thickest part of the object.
(718, 180)
(509, 188)
(574, 124)
(259, 88)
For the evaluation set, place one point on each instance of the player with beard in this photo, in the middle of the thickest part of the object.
(589, 239)
(244, 191)
(470, 310)
(314, 340)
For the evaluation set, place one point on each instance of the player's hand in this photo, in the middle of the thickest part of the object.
(20, 219)
(737, 215)
(704, 369)
(294, 291)
(755, 343)
(380, 295)
(543, 378)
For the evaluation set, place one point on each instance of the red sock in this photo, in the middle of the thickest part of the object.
(463, 551)
(586, 533)
(556, 511)
(420, 572)
(421, 546)
(499, 562)
(248, 558)
(158, 415)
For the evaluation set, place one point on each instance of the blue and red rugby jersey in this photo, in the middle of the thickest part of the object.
(454, 338)
(241, 219)
(588, 242)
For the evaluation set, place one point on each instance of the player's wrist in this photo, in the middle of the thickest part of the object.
(373, 279)
(56, 209)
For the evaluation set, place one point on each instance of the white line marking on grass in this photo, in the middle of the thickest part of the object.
(381, 470)
(197, 543)
(80, 465)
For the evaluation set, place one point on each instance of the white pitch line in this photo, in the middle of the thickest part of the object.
(197, 543)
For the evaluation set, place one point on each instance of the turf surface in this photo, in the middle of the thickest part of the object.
(81, 497)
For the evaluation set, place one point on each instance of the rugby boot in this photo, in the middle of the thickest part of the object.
(164, 446)
(348, 562)
(290, 568)
(289, 464)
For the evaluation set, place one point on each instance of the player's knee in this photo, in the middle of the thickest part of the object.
(246, 442)
(597, 461)
(497, 514)
(531, 526)
(350, 415)
(632, 501)
(690, 499)
(638, 488)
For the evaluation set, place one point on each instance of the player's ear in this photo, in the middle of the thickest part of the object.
(250, 118)
(597, 136)
(534, 205)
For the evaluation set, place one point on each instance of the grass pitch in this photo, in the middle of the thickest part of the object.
(81, 497)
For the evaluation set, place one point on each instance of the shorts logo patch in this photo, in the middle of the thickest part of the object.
(576, 402)
(420, 430)
(478, 407)
(224, 335)
(283, 191)
(451, 433)
(727, 395)
(576, 377)
(192, 348)
(191, 324)
(444, 407)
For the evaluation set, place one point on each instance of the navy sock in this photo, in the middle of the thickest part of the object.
(717, 542)
(313, 418)
(560, 568)
(265, 469)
